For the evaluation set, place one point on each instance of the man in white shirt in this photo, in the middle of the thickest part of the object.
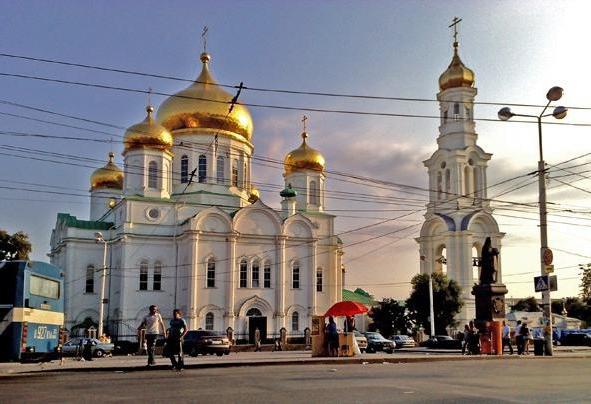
(507, 337)
(152, 323)
(519, 338)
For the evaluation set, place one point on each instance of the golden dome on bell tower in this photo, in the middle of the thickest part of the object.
(304, 158)
(147, 134)
(457, 74)
(110, 176)
(205, 104)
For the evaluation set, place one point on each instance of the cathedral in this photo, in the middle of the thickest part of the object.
(459, 216)
(183, 226)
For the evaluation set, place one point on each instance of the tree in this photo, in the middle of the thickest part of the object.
(586, 283)
(14, 247)
(390, 318)
(529, 304)
(447, 302)
(575, 308)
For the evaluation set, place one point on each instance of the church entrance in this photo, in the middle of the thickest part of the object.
(256, 320)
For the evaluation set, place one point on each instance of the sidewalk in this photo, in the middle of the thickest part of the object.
(138, 363)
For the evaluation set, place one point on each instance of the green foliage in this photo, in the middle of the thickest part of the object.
(14, 247)
(390, 318)
(575, 308)
(586, 283)
(447, 302)
(529, 304)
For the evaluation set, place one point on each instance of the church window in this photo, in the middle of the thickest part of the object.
(295, 276)
(202, 168)
(209, 321)
(447, 183)
(254, 312)
(157, 279)
(475, 181)
(295, 321)
(467, 190)
(143, 275)
(235, 173)
(243, 274)
(89, 279)
(439, 185)
(255, 274)
(220, 170)
(267, 275)
(444, 116)
(313, 199)
(319, 280)
(153, 175)
(184, 169)
(456, 111)
(210, 283)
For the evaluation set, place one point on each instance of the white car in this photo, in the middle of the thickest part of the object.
(99, 349)
(361, 341)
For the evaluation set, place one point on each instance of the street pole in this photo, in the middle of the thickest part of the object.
(102, 295)
(546, 302)
(431, 309)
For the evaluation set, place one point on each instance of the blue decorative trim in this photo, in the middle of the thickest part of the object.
(451, 225)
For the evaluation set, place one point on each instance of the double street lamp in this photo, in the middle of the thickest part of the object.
(554, 94)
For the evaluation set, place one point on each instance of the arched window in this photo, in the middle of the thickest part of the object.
(89, 279)
(202, 168)
(255, 274)
(235, 173)
(254, 312)
(295, 276)
(209, 321)
(210, 283)
(439, 185)
(144, 275)
(243, 274)
(313, 193)
(445, 116)
(447, 183)
(184, 169)
(456, 111)
(475, 181)
(220, 170)
(318, 279)
(467, 188)
(295, 321)
(153, 175)
(267, 275)
(157, 280)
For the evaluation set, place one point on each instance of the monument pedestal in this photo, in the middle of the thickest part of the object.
(490, 312)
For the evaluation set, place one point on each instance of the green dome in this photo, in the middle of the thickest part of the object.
(288, 192)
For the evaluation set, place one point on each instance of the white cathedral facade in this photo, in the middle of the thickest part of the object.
(459, 216)
(185, 227)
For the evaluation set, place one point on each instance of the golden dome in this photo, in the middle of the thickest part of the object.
(110, 176)
(456, 75)
(205, 104)
(303, 158)
(147, 133)
(254, 196)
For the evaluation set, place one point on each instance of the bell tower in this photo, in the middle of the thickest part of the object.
(459, 216)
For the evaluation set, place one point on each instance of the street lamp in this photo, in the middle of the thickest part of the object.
(98, 236)
(554, 94)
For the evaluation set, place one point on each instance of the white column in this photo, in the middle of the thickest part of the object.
(312, 272)
(231, 284)
(194, 284)
(280, 281)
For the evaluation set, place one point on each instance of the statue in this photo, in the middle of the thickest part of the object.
(488, 272)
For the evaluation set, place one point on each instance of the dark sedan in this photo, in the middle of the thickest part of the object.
(443, 342)
(576, 339)
(206, 342)
(376, 342)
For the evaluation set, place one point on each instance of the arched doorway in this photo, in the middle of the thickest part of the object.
(256, 320)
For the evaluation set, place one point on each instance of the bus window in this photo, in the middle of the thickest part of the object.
(44, 287)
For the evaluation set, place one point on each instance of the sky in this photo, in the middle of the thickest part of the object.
(517, 49)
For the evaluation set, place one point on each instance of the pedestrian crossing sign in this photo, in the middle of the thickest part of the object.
(541, 283)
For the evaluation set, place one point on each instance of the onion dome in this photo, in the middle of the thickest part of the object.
(254, 195)
(108, 177)
(303, 158)
(288, 192)
(457, 74)
(147, 134)
(205, 105)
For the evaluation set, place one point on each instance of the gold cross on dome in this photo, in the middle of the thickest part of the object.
(204, 38)
(454, 25)
(304, 119)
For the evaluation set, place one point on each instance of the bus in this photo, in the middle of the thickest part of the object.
(31, 310)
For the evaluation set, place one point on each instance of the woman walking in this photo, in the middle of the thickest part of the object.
(174, 342)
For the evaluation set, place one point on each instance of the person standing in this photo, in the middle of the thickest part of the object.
(507, 338)
(333, 337)
(177, 331)
(257, 340)
(525, 335)
(518, 338)
(153, 324)
(466, 338)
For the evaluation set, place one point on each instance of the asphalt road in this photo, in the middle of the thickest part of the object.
(554, 380)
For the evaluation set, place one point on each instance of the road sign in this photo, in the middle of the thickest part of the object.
(548, 256)
(553, 283)
(549, 269)
(541, 283)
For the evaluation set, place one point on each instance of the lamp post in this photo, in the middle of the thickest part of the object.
(554, 94)
(98, 236)
(431, 308)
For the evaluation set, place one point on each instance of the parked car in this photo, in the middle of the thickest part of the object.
(99, 349)
(576, 339)
(361, 341)
(404, 341)
(443, 342)
(206, 342)
(376, 342)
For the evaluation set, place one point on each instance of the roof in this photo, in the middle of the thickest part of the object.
(359, 296)
(73, 221)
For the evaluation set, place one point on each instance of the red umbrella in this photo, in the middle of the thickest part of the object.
(346, 309)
